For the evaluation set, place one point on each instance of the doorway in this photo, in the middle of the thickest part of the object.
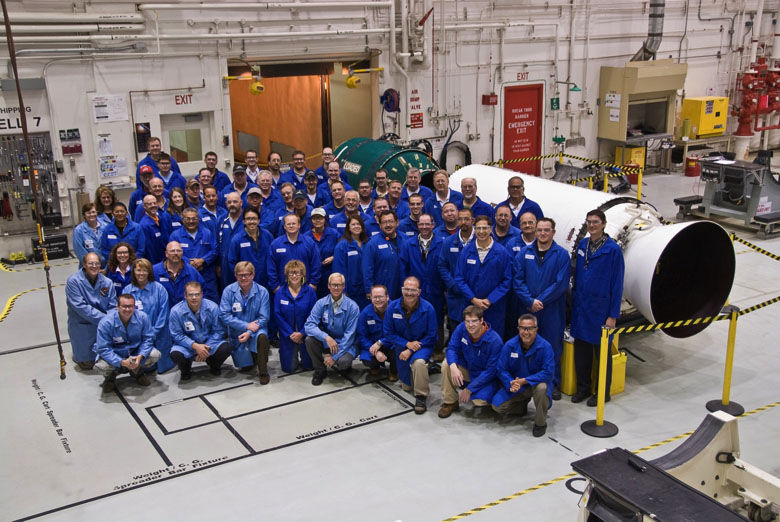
(302, 107)
(523, 116)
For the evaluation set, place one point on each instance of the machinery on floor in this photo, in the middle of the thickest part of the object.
(704, 479)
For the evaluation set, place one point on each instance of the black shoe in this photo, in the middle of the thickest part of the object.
(109, 384)
(345, 373)
(185, 376)
(318, 377)
(556, 394)
(594, 400)
(216, 371)
(579, 397)
(419, 405)
(538, 431)
(85, 365)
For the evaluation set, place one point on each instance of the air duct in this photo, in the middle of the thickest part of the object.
(655, 32)
(673, 272)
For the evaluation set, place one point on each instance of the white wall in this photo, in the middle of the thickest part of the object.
(461, 66)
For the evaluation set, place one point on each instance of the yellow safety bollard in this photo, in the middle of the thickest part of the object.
(605, 188)
(590, 182)
(732, 408)
(601, 428)
(639, 185)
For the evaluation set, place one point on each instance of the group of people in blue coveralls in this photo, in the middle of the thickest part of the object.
(373, 273)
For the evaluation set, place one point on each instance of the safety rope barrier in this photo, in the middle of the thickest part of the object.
(757, 248)
(560, 156)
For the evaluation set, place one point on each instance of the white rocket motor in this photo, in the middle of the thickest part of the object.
(673, 272)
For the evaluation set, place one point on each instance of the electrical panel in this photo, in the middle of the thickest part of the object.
(17, 171)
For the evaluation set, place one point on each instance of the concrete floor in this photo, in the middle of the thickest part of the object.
(348, 450)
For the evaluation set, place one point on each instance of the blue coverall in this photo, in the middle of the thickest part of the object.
(187, 329)
(175, 288)
(398, 332)
(381, 264)
(448, 264)
(282, 251)
(153, 300)
(244, 248)
(480, 358)
(155, 236)
(132, 234)
(535, 366)
(202, 246)
(86, 240)
(341, 326)
(87, 305)
(326, 245)
(236, 311)
(291, 314)
(348, 261)
(116, 342)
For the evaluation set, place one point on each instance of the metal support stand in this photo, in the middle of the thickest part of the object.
(599, 427)
(723, 404)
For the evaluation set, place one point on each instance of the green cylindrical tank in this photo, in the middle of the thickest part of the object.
(362, 157)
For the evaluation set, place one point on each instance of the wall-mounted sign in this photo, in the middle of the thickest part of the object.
(108, 107)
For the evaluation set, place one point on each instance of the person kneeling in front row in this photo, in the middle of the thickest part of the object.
(471, 363)
(526, 368)
(198, 334)
(330, 331)
(124, 344)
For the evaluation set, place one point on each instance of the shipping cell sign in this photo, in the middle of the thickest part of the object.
(522, 128)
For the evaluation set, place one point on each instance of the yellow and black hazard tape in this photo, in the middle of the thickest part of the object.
(541, 485)
(671, 324)
(6, 268)
(12, 300)
(757, 248)
(759, 306)
(501, 163)
(588, 178)
(623, 168)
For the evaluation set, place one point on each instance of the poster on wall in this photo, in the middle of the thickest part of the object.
(108, 107)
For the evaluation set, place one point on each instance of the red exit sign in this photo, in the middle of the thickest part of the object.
(522, 76)
(183, 99)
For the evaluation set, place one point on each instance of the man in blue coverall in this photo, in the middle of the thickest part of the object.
(125, 344)
(199, 246)
(410, 329)
(90, 295)
(381, 257)
(525, 370)
(330, 331)
(542, 272)
(471, 363)
(198, 333)
(596, 297)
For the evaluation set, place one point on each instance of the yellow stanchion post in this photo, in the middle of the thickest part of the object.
(599, 427)
(639, 185)
(723, 404)
(590, 182)
(605, 188)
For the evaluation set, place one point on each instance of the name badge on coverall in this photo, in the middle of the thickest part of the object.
(398, 316)
(471, 261)
(514, 355)
(118, 340)
(188, 326)
(237, 307)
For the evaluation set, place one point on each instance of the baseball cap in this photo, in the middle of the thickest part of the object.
(239, 169)
(146, 169)
(193, 182)
(254, 190)
(318, 212)
(310, 174)
(299, 195)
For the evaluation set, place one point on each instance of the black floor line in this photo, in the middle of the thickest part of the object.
(282, 446)
(230, 428)
(143, 427)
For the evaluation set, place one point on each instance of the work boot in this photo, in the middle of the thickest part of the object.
(265, 378)
(318, 377)
(143, 379)
(437, 357)
(538, 431)
(216, 371)
(374, 371)
(185, 376)
(447, 409)
(419, 404)
(109, 385)
(579, 397)
(392, 377)
(556, 394)
(594, 400)
(85, 365)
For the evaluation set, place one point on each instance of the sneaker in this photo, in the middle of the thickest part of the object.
(579, 397)
(556, 394)
(216, 371)
(143, 380)
(419, 405)
(392, 377)
(265, 378)
(594, 400)
(185, 376)
(538, 431)
(318, 377)
(447, 409)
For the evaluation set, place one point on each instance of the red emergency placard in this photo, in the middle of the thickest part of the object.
(522, 132)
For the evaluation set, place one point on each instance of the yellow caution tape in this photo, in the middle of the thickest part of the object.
(12, 300)
(758, 249)
(6, 268)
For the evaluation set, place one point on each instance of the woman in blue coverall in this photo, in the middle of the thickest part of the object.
(87, 234)
(292, 305)
(119, 266)
(177, 202)
(152, 298)
(104, 204)
(348, 259)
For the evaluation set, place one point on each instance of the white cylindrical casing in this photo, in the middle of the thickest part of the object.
(741, 147)
(673, 272)
(774, 134)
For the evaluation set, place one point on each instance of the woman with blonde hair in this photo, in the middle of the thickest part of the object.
(292, 305)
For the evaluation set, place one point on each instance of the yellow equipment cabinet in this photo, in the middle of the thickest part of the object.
(707, 115)
(624, 156)
(569, 377)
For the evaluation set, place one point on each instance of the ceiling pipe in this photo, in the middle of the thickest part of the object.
(258, 6)
(194, 36)
(655, 32)
(74, 18)
(756, 35)
(75, 28)
(140, 46)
